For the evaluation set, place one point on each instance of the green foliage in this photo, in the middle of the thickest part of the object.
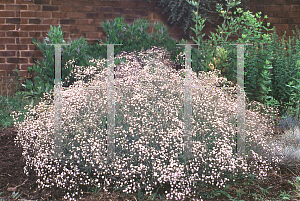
(258, 77)
(44, 80)
(135, 37)
(10, 104)
(78, 50)
(179, 12)
(285, 62)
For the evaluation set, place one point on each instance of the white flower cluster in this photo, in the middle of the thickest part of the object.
(149, 104)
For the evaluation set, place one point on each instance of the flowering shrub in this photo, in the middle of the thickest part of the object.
(149, 102)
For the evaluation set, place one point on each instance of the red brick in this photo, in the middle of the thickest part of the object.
(7, 67)
(281, 14)
(273, 8)
(16, 47)
(47, 2)
(93, 35)
(43, 27)
(17, 60)
(87, 28)
(1, 7)
(57, 2)
(28, 27)
(25, 40)
(279, 2)
(97, 3)
(81, 3)
(7, 40)
(93, 15)
(7, 1)
(75, 35)
(38, 55)
(7, 53)
(8, 13)
(59, 15)
(68, 8)
(274, 20)
(13, 20)
(139, 13)
(111, 3)
(85, 8)
(87, 21)
(294, 14)
(50, 8)
(50, 21)
(2, 20)
(43, 14)
(16, 7)
(16, 34)
(286, 8)
(35, 7)
(295, 8)
(32, 47)
(77, 15)
(24, 21)
(106, 16)
(28, 14)
(129, 4)
(34, 34)
(34, 21)
(67, 21)
(74, 30)
(127, 12)
(103, 9)
(2, 47)
(2, 60)
(117, 10)
(27, 53)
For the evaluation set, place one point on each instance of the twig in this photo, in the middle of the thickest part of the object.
(291, 172)
(21, 184)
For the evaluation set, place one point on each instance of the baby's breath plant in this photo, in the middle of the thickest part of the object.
(148, 133)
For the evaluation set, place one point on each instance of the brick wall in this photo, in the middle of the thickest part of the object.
(21, 20)
(283, 14)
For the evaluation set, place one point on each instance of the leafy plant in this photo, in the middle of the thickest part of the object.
(259, 88)
(44, 80)
(135, 37)
(179, 11)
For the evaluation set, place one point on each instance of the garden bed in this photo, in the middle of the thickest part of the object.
(13, 179)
